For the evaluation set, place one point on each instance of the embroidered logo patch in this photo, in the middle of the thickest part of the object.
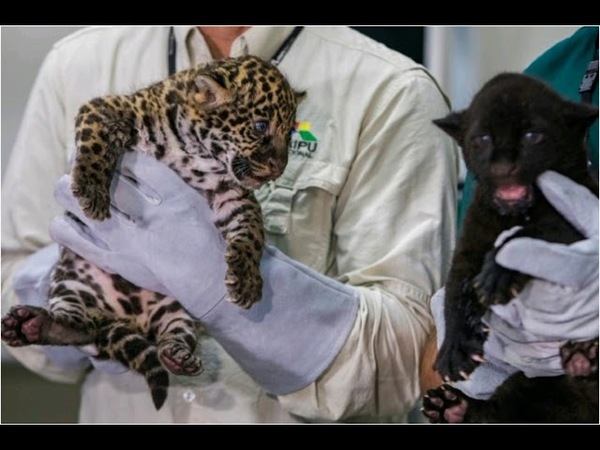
(303, 143)
(303, 129)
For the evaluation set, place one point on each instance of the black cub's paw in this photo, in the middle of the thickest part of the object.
(496, 284)
(459, 357)
(580, 359)
(462, 351)
(445, 405)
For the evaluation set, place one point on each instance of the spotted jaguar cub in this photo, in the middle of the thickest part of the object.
(224, 128)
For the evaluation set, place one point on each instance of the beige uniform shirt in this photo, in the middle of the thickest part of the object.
(368, 197)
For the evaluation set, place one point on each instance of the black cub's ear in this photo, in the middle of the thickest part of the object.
(581, 113)
(452, 125)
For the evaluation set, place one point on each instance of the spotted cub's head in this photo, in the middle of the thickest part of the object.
(243, 111)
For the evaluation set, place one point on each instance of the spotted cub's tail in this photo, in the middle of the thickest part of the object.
(121, 341)
(158, 380)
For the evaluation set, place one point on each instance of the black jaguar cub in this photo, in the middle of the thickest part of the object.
(515, 128)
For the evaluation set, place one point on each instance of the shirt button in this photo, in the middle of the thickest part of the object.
(189, 396)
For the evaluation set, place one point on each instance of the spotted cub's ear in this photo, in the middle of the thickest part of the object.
(300, 96)
(210, 93)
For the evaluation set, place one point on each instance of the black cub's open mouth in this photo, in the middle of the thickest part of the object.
(513, 198)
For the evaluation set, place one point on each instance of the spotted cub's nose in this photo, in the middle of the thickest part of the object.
(277, 166)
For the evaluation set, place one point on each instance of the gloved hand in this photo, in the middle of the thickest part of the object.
(574, 265)
(156, 219)
(161, 237)
(562, 303)
(488, 375)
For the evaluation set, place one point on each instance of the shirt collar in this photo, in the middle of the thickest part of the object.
(262, 41)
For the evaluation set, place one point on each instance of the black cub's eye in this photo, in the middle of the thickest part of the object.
(533, 137)
(482, 141)
(261, 126)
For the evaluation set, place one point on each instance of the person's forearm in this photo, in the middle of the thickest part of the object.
(375, 374)
(429, 378)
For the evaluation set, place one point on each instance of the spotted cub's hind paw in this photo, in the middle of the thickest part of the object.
(179, 359)
(23, 325)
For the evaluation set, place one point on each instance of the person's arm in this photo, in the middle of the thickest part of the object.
(38, 159)
(429, 378)
(394, 230)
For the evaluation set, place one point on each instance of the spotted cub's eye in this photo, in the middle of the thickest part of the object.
(261, 126)
(533, 137)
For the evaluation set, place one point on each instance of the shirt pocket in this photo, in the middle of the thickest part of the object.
(298, 210)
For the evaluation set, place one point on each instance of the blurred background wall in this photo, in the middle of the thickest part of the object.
(461, 58)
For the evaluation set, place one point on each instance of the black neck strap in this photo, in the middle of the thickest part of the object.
(285, 47)
(276, 59)
(590, 77)
(172, 51)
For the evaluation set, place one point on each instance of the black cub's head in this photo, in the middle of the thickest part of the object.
(516, 128)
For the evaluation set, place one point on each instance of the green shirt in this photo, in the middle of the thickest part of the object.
(562, 66)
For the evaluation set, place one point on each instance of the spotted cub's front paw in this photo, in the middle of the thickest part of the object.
(243, 279)
(93, 198)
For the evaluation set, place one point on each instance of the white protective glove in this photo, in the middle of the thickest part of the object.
(161, 237)
(561, 304)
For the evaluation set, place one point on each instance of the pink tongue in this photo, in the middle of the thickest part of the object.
(513, 192)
